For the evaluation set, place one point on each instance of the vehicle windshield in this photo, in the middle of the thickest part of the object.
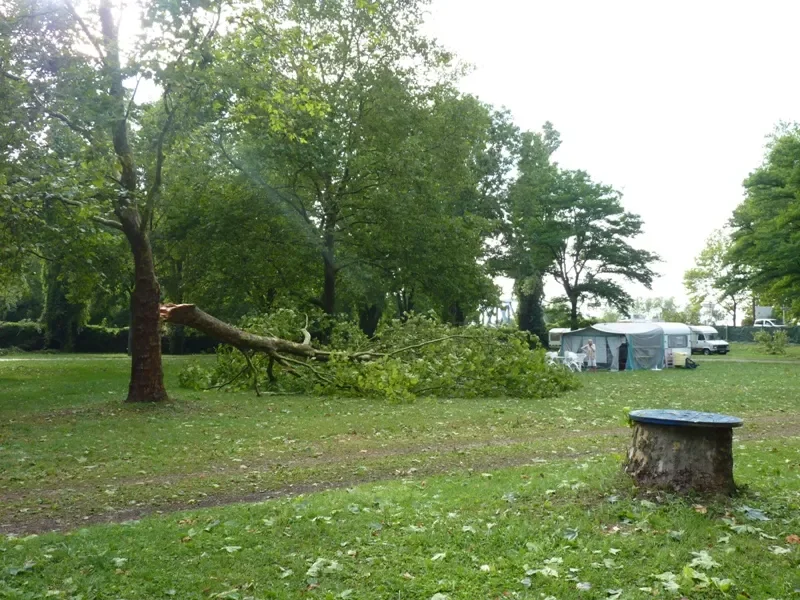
(712, 336)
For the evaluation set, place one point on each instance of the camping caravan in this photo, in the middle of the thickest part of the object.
(632, 346)
(554, 337)
(706, 339)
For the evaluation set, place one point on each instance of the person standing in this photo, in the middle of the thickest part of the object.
(623, 355)
(591, 355)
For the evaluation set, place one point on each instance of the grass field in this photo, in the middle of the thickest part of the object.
(461, 498)
(741, 350)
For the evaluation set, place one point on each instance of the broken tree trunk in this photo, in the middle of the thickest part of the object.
(191, 316)
(281, 350)
(682, 451)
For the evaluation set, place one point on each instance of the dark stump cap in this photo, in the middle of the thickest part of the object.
(684, 418)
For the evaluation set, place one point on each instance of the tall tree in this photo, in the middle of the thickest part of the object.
(69, 67)
(524, 261)
(766, 225)
(715, 278)
(379, 179)
(584, 230)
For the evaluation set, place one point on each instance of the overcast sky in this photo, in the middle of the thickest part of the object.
(669, 102)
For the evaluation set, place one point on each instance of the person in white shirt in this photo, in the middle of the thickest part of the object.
(591, 355)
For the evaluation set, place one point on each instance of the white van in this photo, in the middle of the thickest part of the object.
(554, 337)
(706, 339)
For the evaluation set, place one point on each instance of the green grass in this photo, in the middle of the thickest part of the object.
(521, 474)
(751, 350)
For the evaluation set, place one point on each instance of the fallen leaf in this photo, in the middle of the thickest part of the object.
(754, 514)
(703, 560)
(793, 539)
(570, 534)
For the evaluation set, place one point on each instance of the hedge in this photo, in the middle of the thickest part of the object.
(25, 335)
(96, 339)
(745, 334)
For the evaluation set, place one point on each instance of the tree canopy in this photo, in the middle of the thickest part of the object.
(256, 157)
(715, 279)
(766, 237)
(564, 224)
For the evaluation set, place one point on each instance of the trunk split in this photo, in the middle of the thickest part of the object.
(191, 316)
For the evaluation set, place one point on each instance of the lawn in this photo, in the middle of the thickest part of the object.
(462, 498)
(752, 351)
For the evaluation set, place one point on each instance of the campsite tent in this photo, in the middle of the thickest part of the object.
(643, 345)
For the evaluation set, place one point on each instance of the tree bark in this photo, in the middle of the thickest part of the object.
(368, 318)
(682, 459)
(531, 315)
(455, 314)
(147, 376)
(405, 304)
(329, 263)
(191, 316)
(573, 314)
(329, 287)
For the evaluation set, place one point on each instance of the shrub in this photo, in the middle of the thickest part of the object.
(472, 361)
(772, 343)
(99, 339)
(25, 335)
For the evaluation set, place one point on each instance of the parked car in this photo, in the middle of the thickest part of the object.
(706, 339)
(767, 323)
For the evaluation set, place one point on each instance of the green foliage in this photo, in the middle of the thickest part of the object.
(765, 238)
(564, 224)
(25, 335)
(459, 362)
(385, 182)
(772, 342)
(715, 278)
(557, 314)
(666, 309)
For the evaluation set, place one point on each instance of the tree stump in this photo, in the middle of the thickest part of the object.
(682, 451)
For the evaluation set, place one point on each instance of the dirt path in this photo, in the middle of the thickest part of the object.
(445, 458)
(43, 524)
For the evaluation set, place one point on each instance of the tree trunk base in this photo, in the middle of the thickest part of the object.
(145, 397)
(682, 459)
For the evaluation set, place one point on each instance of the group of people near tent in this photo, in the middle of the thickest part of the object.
(629, 346)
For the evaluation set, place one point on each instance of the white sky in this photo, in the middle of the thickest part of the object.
(669, 102)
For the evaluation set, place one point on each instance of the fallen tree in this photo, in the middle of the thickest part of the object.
(420, 356)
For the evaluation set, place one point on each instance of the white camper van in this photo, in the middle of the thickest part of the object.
(554, 337)
(706, 339)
